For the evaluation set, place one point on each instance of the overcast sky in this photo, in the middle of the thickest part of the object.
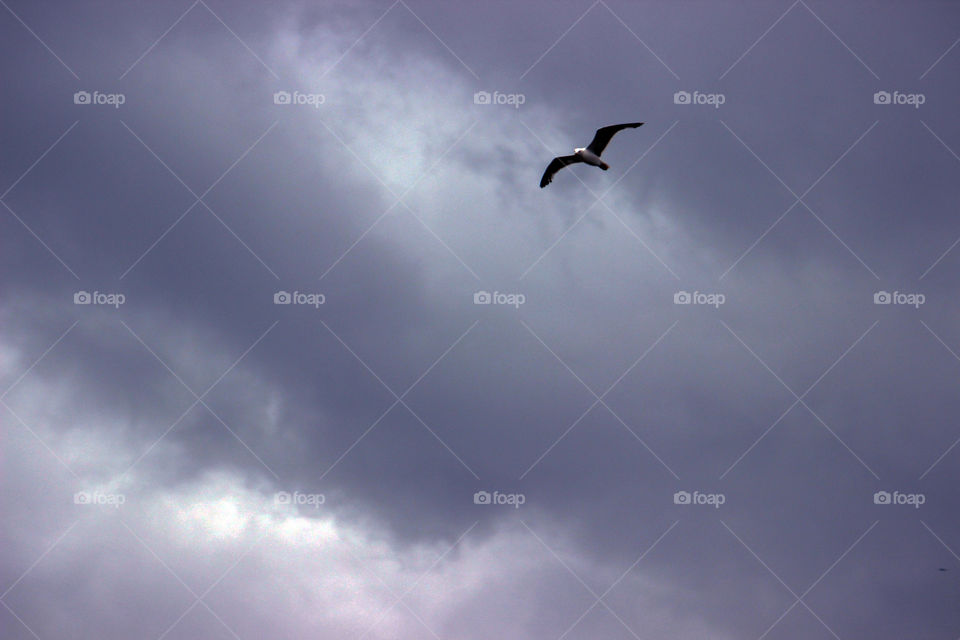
(295, 346)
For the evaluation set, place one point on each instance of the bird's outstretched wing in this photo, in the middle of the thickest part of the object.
(602, 138)
(555, 165)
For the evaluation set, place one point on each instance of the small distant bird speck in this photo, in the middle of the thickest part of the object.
(942, 569)
(590, 155)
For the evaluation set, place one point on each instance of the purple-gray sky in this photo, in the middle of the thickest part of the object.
(185, 458)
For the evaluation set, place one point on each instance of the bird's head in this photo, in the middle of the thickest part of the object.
(579, 150)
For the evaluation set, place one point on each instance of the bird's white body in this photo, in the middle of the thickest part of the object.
(591, 158)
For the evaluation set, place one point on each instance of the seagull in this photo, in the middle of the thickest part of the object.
(590, 155)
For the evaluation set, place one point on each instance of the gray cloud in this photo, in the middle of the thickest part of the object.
(398, 398)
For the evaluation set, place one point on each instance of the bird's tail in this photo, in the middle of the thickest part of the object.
(604, 165)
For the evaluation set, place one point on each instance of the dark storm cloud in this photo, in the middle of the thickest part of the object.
(598, 398)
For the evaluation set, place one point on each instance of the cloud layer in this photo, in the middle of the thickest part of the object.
(217, 464)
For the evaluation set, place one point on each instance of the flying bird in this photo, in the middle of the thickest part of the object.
(590, 155)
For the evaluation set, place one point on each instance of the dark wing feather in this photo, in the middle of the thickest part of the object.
(602, 138)
(555, 165)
